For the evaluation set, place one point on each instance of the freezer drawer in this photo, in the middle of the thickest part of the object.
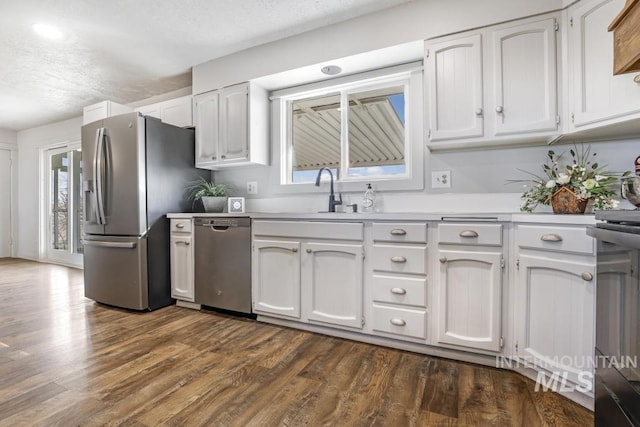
(115, 271)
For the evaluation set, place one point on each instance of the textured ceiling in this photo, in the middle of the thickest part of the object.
(130, 50)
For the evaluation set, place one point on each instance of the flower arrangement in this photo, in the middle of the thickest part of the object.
(582, 175)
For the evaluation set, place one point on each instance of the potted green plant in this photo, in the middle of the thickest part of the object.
(213, 196)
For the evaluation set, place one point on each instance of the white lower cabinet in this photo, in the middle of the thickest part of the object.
(398, 283)
(555, 292)
(276, 277)
(469, 286)
(309, 271)
(332, 281)
(470, 299)
(182, 260)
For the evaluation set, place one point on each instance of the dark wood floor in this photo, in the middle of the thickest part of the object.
(65, 360)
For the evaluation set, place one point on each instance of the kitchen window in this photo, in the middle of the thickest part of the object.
(364, 128)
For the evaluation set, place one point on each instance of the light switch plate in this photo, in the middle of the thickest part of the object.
(252, 187)
(441, 179)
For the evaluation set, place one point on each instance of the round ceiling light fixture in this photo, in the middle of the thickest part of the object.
(47, 31)
(331, 70)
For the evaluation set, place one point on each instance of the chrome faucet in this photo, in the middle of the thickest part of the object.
(332, 197)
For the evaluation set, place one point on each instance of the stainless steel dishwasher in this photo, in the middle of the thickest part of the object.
(223, 263)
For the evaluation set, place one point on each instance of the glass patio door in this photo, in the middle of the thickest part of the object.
(64, 204)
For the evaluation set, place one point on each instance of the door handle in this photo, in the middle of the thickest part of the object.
(123, 245)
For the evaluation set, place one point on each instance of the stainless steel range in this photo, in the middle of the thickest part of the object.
(617, 353)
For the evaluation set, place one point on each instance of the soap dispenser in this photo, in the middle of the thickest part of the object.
(369, 199)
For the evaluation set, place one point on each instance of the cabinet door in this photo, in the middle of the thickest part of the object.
(555, 312)
(524, 68)
(470, 295)
(234, 125)
(178, 112)
(182, 284)
(207, 132)
(276, 277)
(454, 83)
(597, 94)
(332, 280)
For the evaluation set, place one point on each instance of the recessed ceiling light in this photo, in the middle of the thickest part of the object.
(47, 31)
(331, 70)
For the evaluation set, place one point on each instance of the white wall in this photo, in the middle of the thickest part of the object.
(30, 142)
(417, 20)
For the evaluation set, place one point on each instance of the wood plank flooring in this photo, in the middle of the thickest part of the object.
(67, 361)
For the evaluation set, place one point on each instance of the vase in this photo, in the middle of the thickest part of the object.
(565, 201)
(214, 204)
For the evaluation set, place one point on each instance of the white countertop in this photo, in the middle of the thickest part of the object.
(541, 218)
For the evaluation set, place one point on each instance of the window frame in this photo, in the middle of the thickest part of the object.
(409, 75)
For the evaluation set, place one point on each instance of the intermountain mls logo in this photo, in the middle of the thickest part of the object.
(578, 375)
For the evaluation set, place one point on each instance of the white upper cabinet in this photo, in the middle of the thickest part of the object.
(598, 97)
(177, 112)
(454, 84)
(232, 127)
(525, 70)
(493, 86)
(102, 110)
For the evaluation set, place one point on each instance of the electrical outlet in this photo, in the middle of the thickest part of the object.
(252, 187)
(441, 179)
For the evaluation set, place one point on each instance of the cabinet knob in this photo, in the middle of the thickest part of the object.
(479, 111)
(636, 79)
(551, 238)
(443, 259)
(223, 157)
(398, 259)
(309, 250)
(499, 109)
(214, 158)
(180, 225)
(398, 291)
(586, 276)
(294, 250)
(397, 322)
(398, 232)
(468, 233)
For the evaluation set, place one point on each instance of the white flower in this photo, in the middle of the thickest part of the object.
(589, 184)
(600, 177)
(550, 184)
(563, 178)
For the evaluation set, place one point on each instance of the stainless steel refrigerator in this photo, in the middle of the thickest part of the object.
(135, 170)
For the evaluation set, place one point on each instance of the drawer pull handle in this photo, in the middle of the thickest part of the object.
(397, 322)
(294, 250)
(180, 225)
(398, 259)
(586, 276)
(183, 243)
(551, 238)
(398, 232)
(443, 259)
(398, 291)
(468, 233)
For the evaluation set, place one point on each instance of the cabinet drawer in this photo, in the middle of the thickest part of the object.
(400, 290)
(181, 225)
(399, 259)
(471, 234)
(555, 238)
(400, 321)
(310, 229)
(400, 232)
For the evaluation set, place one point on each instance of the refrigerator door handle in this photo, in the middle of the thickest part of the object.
(99, 175)
(94, 190)
(125, 245)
